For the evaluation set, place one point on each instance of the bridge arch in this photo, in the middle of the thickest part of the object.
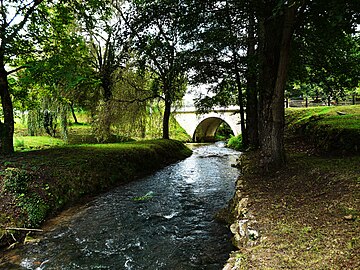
(207, 128)
(190, 120)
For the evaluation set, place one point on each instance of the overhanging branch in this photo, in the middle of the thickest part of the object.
(16, 69)
(130, 101)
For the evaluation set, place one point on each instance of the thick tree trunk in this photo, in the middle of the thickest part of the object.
(6, 128)
(277, 34)
(166, 119)
(251, 88)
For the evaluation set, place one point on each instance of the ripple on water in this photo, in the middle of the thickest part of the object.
(172, 229)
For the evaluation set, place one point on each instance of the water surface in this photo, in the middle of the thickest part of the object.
(164, 221)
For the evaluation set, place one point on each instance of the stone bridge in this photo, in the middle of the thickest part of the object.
(202, 127)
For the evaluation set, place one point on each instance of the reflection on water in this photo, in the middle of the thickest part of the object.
(164, 221)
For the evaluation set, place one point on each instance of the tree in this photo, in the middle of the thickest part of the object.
(338, 68)
(271, 27)
(57, 76)
(14, 16)
(20, 37)
(218, 58)
(278, 21)
(155, 33)
(223, 54)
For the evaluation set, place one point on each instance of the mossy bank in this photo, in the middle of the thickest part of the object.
(38, 184)
(306, 215)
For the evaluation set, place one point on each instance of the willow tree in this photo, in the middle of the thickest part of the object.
(18, 38)
(156, 38)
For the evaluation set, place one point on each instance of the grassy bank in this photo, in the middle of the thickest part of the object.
(334, 130)
(37, 184)
(307, 215)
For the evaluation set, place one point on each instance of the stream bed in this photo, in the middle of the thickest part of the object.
(163, 221)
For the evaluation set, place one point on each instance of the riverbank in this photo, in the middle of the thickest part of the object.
(306, 215)
(36, 185)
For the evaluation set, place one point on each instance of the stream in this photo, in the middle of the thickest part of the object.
(163, 221)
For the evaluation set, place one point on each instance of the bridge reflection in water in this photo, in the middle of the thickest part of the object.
(203, 127)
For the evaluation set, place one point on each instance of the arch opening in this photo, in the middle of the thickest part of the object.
(212, 129)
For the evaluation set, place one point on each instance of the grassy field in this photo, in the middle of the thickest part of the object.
(81, 133)
(307, 214)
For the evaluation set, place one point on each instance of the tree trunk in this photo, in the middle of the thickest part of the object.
(277, 35)
(245, 140)
(6, 128)
(166, 119)
(251, 88)
(73, 113)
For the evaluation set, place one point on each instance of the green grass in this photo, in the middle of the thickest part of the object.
(330, 129)
(26, 143)
(326, 115)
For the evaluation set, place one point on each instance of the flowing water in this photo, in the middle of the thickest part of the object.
(164, 221)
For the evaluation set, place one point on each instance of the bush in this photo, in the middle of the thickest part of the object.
(235, 142)
(34, 207)
(16, 180)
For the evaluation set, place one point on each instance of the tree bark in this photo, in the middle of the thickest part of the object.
(245, 140)
(277, 35)
(251, 87)
(6, 128)
(166, 118)
(73, 113)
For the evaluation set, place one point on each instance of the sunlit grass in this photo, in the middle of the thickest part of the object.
(344, 116)
(36, 142)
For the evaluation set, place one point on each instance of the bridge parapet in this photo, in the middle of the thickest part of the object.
(192, 109)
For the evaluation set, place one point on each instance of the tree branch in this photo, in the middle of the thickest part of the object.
(128, 24)
(138, 99)
(21, 9)
(23, 229)
(25, 19)
(16, 69)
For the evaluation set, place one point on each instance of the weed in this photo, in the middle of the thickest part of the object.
(7, 163)
(241, 261)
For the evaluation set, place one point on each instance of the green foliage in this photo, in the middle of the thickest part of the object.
(34, 207)
(331, 129)
(16, 180)
(235, 142)
(223, 132)
(26, 143)
(19, 143)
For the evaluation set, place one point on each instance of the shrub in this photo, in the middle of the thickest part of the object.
(16, 180)
(34, 207)
(235, 142)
